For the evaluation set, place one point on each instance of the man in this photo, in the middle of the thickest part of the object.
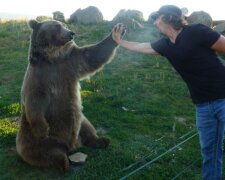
(191, 50)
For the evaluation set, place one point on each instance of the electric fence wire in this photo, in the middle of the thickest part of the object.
(158, 157)
(145, 158)
(185, 169)
(185, 135)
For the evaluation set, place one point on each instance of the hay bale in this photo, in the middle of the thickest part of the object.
(130, 18)
(59, 16)
(89, 15)
(220, 28)
(200, 17)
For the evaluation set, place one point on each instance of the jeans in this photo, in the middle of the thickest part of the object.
(210, 121)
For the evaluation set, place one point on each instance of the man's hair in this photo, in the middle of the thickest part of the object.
(171, 15)
(175, 21)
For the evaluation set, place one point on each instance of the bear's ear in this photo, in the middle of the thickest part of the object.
(33, 24)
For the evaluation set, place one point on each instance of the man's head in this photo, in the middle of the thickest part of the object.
(170, 15)
(167, 10)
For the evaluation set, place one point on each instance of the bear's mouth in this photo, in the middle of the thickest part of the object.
(69, 43)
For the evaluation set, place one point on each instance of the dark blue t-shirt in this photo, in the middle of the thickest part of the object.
(196, 62)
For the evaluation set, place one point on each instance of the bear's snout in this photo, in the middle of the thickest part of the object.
(68, 35)
(72, 34)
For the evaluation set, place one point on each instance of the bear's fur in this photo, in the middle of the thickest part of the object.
(52, 122)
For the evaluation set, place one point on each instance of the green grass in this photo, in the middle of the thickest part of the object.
(137, 100)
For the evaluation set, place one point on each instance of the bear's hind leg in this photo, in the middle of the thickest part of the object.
(89, 137)
(49, 152)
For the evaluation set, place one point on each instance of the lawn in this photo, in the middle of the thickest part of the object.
(139, 101)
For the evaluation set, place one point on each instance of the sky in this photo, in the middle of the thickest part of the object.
(108, 8)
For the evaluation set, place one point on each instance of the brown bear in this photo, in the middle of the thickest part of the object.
(52, 123)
